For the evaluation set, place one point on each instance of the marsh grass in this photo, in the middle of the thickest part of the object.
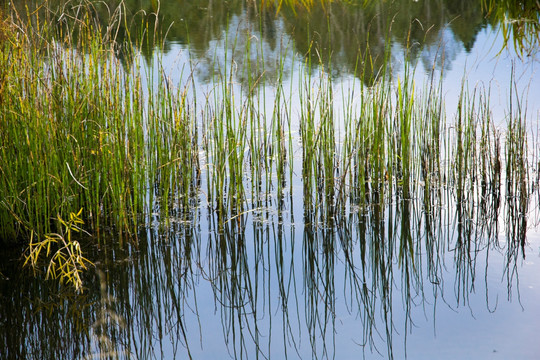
(93, 136)
(390, 182)
(75, 114)
(81, 128)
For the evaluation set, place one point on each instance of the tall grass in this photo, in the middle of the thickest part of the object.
(94, 136)
(81, 128)
(79, 115)
(390, 180)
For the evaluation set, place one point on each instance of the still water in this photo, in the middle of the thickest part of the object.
(451, 280)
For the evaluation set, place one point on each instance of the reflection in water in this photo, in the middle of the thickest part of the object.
(250, 288)
(317, 277)
(358, 38)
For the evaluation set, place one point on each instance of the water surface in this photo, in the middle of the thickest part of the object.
(439, 278)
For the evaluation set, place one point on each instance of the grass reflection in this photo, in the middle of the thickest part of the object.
(399, 204)
(252, 285)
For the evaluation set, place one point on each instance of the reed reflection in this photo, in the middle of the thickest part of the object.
(376, 264)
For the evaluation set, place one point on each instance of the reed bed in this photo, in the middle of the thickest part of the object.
(83, 128)
(388, 182)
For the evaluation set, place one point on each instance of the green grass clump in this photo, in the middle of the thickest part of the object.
(82, 126)
(69, 120)
(80, 130)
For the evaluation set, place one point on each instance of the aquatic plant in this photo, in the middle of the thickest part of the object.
(67, 261)
(81, 127)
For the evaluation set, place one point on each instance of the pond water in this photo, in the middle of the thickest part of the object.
(403, 279)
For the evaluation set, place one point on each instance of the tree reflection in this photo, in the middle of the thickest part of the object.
(360, 38)
(280, 277)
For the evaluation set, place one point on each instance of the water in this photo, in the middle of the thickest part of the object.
(401, 280)
(288, 289)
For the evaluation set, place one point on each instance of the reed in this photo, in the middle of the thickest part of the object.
(386, 180)
(83, 128)
(317, 131)
(79, 117)
(94, 136)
